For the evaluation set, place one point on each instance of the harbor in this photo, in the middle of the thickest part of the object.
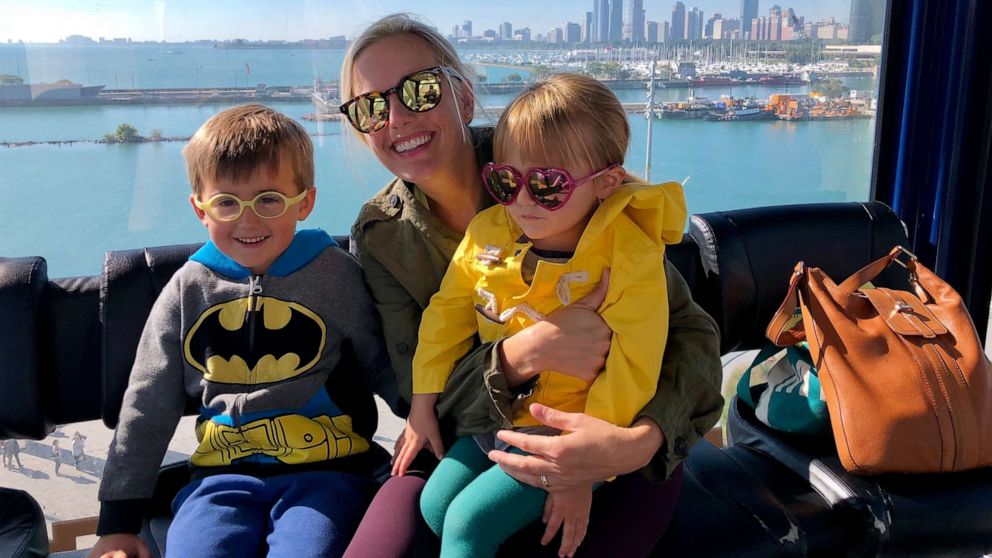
(325, 95)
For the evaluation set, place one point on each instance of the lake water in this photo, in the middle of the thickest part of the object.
(70, 204)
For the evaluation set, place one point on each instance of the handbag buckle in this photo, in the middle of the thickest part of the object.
(900, 251)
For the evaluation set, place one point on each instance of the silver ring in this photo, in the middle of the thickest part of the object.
(544, 481)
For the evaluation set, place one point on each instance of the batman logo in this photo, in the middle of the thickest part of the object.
(255, 340)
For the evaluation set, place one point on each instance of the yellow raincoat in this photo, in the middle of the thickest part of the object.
(483, 292)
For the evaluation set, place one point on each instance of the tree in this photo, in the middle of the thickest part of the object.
(514, 77)
(10, 79)
(127, 133)
(798, 54)
(155, 135)
(540, 71)
(830, 88)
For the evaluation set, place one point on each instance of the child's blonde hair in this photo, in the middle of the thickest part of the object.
(563, 119)
(239, 141)
(405, 24)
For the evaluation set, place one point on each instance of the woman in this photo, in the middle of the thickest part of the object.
(410, 101)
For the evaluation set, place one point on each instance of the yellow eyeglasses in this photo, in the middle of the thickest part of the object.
(267, 205)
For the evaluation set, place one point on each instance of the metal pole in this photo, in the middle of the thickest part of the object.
(649, 114)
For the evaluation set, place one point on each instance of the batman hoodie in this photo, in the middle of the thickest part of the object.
(283, 367)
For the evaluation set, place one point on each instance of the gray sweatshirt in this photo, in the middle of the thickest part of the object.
(283, 366)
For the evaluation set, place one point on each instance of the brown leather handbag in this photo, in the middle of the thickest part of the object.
(908, 387)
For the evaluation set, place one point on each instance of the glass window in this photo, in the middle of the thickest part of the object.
(753, 104)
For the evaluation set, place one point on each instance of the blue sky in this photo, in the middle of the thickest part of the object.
(181, 20)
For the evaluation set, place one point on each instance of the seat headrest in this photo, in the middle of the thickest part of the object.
(132, 280)
(22, 290)
(754, 251)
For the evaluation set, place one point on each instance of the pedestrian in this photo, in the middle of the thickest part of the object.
(78, 448)
(12, 451)
(56, 456)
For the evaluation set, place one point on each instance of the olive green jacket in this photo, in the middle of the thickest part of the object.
(404, 250)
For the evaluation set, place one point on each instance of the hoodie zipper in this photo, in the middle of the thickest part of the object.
(254, 289)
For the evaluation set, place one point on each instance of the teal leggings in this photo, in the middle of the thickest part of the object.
(473, 505)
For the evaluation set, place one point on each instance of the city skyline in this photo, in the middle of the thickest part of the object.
(185, 20)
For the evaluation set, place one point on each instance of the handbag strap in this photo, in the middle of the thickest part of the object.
(872, 270)
(784, 331)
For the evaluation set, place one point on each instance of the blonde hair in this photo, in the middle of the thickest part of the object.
(563, 119)
(404, 24)
(239, 141)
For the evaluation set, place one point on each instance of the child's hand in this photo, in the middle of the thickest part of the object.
(571, 509)
(120, 545)
(421, 429)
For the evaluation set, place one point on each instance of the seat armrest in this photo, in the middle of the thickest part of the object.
(902, 515)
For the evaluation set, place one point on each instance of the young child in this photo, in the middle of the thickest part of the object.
(272, 331)
(569, 212)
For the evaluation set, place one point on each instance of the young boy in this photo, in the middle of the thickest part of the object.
(273, 332)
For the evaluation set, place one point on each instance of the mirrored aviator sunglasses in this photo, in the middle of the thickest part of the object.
(418, 92)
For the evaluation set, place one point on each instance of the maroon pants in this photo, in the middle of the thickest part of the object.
(629, 517)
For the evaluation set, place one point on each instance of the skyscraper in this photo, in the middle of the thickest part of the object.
(633, 25)
(506, 31)
(708, 30)
(467, 28)
(587, 29)
(616, 21)
(867, 20)
(678, 22)
(651, 32)
(600, 21)
(775, 28)
(694, 24)
(571, 32)
(749, 11)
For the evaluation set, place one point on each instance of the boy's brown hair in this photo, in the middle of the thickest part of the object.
(239, 141)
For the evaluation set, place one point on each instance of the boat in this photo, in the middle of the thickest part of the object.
(691, 109)
(780, 80)
(708, 81)
(743, 114)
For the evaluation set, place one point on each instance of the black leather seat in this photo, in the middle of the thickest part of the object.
(22, 525)
(753, 253)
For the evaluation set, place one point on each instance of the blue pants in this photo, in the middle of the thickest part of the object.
(301, 514)
(473, 505)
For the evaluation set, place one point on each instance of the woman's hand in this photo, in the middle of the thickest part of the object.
(120, 545)
(572, 340)
(568, 510)
(421, 430)
(594, 451)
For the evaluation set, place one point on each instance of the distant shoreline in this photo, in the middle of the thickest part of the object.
(168, 139)
(527, 67)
